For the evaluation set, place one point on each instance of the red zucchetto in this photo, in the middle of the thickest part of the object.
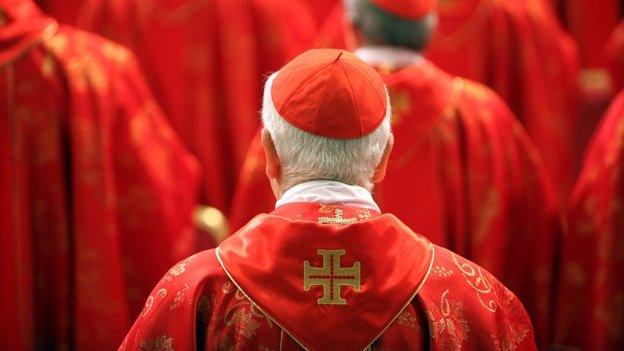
(407, 9)
(330, 93)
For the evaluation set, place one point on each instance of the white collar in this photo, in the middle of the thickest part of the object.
(376, 55)
(328, 192)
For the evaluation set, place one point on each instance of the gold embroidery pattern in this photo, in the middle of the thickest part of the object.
(451, 326)
(180, 297)
(407, 319)
(510, 338)
(179, 268)
(337, 219)
(161, 343)
(245, 317)
(331, 276)
(227, 288)
(441, 271)
(488, 295)
(401, 104)
(162, 293)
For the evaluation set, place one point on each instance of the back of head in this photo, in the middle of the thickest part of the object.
(328, 115)
(403, 23)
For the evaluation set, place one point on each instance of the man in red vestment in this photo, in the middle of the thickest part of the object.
(518, 49)
(326, 270)
(463, 172)
(590, 314)
(205, 61)
(97, 192)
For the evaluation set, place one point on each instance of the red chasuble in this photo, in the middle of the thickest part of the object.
(463, 171)
(329, 277)
(613, 56)
(206, 61)
(518, 49)
(97, 193)
(590, 23)
(590, 312)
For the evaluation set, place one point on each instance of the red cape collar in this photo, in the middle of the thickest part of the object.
(22, 27)
(333, 277)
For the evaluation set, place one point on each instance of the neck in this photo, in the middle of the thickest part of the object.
(328, 192)
(380, 55)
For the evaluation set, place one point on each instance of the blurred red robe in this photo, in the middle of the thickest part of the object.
(518, 49)
(590, 23)
(464, 172)
(206, 61)
(590, 314)
(250, 293)
(613, 56)
(97, 192)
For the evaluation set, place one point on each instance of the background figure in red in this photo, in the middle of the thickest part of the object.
(463, 169)
(97, 191)
(592, 24)
(590, 313)
(206, 61)
(518, 49)
(613, 58)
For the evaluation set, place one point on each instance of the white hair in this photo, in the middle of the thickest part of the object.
(305, 157)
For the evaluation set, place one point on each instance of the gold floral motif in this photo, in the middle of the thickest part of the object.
(245, 317)
(451, 325)
(408, 319)
(161, 343)
(489, 295)
(180, 267)
(510, 338)
(227, 288)
(441, 271)
(180, 298)
(162, 293)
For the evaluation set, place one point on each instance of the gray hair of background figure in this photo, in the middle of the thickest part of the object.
(382, 28)
(305, 157)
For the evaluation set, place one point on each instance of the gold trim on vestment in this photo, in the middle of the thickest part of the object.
(252, 301)
(368, 345)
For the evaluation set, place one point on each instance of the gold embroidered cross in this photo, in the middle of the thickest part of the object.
(337, 219)
(331, 277)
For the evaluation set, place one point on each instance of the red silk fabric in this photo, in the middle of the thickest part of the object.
(458, 306)
(590, 23)
(97, 191)
(518, 49)
(591, 305)
(206, 62)
(613, 56)
(464, 172)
